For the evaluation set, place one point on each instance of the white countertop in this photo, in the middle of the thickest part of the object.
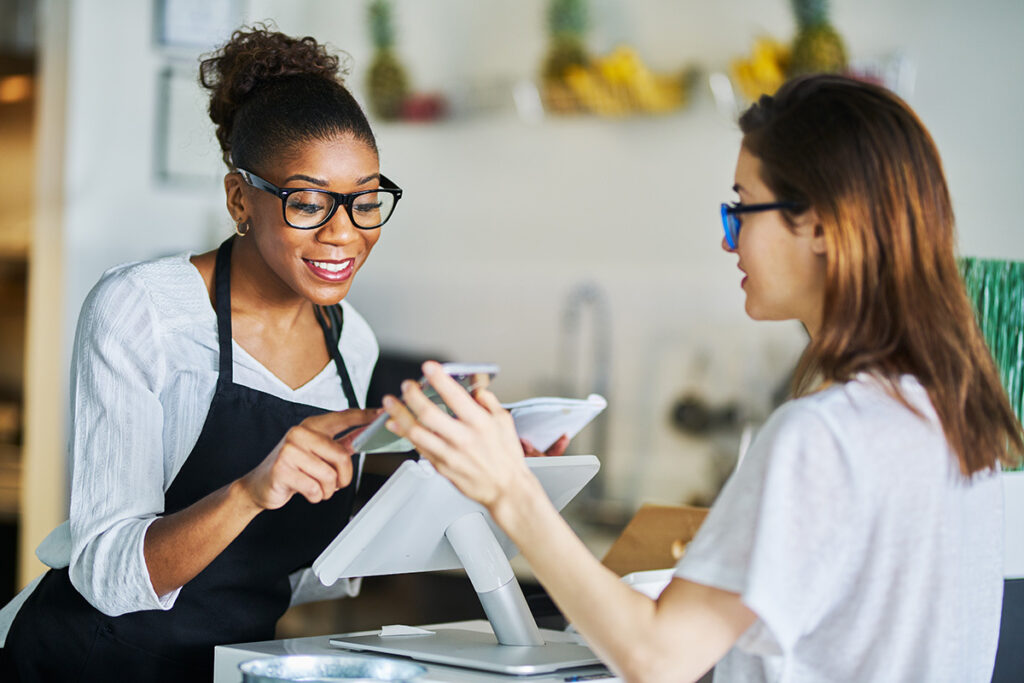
(228, 657)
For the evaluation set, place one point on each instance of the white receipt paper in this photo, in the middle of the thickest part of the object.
(542, 420)
(402, 630)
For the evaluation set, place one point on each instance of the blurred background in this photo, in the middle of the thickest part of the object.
(562, 162)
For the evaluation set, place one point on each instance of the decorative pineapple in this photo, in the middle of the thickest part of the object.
(567, 22)
(388, 85)
(818, 47)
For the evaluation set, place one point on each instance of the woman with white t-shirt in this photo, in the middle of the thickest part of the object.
(861, 537)
(207, 393)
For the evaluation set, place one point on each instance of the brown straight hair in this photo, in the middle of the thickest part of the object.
(894, 300)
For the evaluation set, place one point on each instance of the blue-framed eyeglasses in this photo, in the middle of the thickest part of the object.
(307, 208)
(731, 219)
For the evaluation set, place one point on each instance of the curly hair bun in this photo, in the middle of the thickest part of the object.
(257, 60)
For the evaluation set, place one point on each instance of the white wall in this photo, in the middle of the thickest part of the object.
(502, 218)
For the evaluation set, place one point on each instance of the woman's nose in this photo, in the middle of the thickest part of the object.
(726, 247)
(339, 229)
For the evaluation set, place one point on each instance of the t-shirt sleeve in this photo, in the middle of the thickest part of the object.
(780, 528)
(116, 446)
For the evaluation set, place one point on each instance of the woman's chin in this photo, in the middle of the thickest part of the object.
(328, 295)
(753, 312)
(760, 314)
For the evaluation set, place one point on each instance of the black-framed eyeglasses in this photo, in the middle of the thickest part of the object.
(307, 208)
(731, 220)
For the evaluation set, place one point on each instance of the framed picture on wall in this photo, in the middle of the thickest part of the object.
(186, 152)
(195, 24)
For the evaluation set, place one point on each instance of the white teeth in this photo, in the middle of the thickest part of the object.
(332, 267)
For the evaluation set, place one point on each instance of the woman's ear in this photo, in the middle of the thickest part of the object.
(817, 233)
(234, 192)
(818, 241)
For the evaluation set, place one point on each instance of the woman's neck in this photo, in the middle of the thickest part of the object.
(257, 290)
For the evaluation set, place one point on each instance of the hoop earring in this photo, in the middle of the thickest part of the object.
(242, 228)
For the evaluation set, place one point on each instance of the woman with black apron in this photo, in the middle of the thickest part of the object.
(305, 191)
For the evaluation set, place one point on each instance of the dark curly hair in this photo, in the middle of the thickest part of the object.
(270, 93)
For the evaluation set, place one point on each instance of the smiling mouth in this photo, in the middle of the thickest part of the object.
(332, 271)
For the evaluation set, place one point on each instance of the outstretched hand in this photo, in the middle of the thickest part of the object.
(308, 460)
(479, 452)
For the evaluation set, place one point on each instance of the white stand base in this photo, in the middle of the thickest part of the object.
(476, 650)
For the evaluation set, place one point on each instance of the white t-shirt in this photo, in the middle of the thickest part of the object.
(850, 532)
(144, 370)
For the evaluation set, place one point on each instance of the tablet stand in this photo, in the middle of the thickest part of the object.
(491, 575)
(424, 523)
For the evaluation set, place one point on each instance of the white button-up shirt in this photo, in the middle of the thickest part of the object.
(144, 370)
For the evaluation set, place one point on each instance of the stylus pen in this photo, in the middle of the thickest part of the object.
(590, 677)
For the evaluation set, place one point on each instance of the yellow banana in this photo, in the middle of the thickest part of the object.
(593, 93)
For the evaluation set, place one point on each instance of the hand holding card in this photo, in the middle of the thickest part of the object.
(375, 438)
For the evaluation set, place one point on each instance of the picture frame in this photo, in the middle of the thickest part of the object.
(187, 153)
(195, 25)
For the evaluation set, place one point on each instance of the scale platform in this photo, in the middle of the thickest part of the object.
(477, 650)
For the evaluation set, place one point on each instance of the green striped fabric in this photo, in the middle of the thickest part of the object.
(997, 290)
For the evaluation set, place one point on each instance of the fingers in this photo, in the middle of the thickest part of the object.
(453, 394)
(489, 401)
(558, 447)
(307, 461)
(529, 450)
(405, 424)
(345, 439)
(317, 480)
(479, 417)
(421, 409)
(477, 450)
(339, 421)
(503, 418)
(344, 425)
(320, 458)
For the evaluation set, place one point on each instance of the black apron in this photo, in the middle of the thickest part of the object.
(58, 636)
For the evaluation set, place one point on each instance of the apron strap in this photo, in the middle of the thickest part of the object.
(222, 296)
(332, 320)
(331, 326)
(332, 335)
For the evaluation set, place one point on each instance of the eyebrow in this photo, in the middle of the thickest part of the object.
(323, 183)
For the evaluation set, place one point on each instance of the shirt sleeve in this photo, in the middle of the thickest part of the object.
(116, 446)
(780, 528)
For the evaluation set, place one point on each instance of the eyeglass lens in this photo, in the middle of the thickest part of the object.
(731, 224)
(733, 229)
(310, 209)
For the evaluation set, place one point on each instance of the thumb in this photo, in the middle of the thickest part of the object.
(340, 422)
